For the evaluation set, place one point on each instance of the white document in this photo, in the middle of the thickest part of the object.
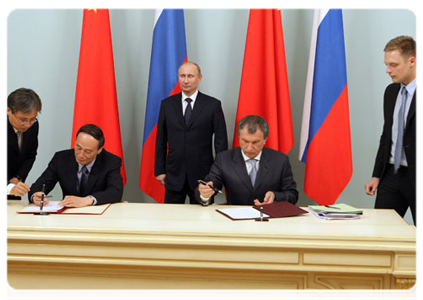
(333, 216)
(242, 213)
(50, 207)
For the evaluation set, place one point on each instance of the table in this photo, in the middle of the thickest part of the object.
(165, 246)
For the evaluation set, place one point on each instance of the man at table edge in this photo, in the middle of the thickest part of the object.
(252, 173)
(87, 174)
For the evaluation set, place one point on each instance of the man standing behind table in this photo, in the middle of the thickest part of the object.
(252, 174)
(88, 174)
(186, 125)
(23, 106)
(394, 173)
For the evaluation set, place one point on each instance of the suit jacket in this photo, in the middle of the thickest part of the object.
(186, 151)
(19, 163)
(104, 181)
(409, 140)
(274, 174)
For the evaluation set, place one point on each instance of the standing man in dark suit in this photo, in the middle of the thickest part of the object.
(185, 129)
(252, 174)
(23, 106)
(88, 174)
(394, 173)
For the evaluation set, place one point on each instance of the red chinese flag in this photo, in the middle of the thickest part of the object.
(96, 97)
(264, 87)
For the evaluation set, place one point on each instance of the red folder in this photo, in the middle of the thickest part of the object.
(274, 210)
(281, 209)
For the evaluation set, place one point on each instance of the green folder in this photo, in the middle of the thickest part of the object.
(336, 208)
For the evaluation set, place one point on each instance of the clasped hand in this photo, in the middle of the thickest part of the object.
(68, 201)
(206, 192)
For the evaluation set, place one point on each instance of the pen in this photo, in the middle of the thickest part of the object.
(261, 213)
(42, 197)
(212, 187)
(330, 206)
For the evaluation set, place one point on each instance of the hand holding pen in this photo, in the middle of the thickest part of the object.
(205, 192)
(42, 197)
(39, 198)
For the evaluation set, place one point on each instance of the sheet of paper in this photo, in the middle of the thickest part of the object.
(50, 207)
(242, 213)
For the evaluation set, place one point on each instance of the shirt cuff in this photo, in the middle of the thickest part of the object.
(10, 186)
(204, 201)
(94, 200)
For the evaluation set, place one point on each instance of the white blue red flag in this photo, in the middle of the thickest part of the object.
(168, 53)
(325, 145)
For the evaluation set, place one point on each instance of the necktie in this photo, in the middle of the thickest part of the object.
(253, 172)
(19, 134)
(401, 117)
(188, 111)
(83, 181)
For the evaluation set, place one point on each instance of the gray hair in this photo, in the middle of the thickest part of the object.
(24, 100)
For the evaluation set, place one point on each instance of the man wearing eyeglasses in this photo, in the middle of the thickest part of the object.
(23, 106)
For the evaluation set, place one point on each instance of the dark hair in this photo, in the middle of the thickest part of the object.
(405, 44)
(253, 122)
(24, 100)
(94, 131)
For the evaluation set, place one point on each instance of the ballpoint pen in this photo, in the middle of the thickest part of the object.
(42, 197)
(42, 203)
(330, 206)
(212, 187)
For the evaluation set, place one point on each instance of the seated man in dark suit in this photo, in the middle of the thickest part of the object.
(88, 174)
(252, 174)
(23, 106)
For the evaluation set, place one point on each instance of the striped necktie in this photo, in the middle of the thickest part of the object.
(253, 172)
(400, 135)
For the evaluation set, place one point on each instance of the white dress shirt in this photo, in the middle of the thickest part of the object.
(411, 88)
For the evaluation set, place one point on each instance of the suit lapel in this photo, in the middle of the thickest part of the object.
(241, 169)
(177, 108)
(391, 103)
(13, 138)
(95, 171)
(412, 110)
(72, 166)
(200, 102)
(263, 168)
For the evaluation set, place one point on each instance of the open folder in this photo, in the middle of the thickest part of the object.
(273, 210)
(55, 208)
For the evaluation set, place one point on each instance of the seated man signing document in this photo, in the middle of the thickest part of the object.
(88, 174)
(252, 174)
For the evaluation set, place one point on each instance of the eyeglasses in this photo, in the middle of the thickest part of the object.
(26, 121)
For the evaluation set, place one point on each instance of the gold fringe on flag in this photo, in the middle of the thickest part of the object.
(408, 288)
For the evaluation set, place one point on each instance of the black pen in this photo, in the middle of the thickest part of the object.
(330, 206)
(42, 197)
(212, 187)
(261, 213)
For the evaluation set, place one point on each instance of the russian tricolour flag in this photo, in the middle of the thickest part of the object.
(168, 53)
(325, 144)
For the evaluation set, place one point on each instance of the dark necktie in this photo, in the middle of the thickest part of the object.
(83, 181)
(188, 111)
(400, 135)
